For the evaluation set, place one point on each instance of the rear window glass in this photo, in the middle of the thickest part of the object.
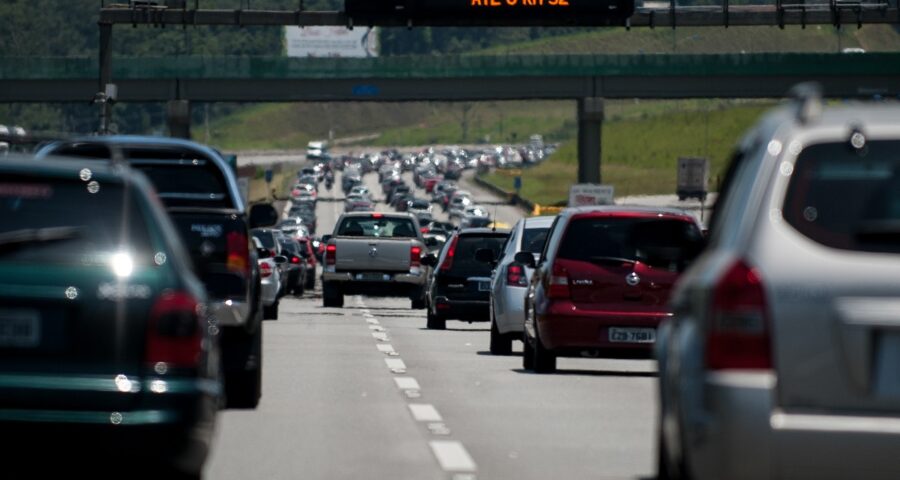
(658, 242)
(533, 239)
(846, 199)
(383, 227)
(186, 182)
(266, 238)
(64, 223)
(464, 256)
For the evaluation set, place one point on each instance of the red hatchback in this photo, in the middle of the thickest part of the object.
(603, 282)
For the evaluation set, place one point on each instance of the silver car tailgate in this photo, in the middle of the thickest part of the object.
(373, 254)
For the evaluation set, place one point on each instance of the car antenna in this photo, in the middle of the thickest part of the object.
(494, 222)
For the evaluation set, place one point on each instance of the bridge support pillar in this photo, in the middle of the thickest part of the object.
(590, 123)
(178, 117)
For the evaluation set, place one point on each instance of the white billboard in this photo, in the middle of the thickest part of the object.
(331, 42)
(589, 194)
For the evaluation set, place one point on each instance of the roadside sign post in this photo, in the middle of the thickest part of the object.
(590, 194)
(517, 184)
(269, 175)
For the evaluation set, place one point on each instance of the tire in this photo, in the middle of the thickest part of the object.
(310, 283)
(544, 360)
(665, 470)
(418, 301)
(500, 344)
(435, 322)
(331, 296)
(271, 312)
(243, 387)
(527, 354)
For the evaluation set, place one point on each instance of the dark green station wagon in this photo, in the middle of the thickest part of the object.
(107, 353)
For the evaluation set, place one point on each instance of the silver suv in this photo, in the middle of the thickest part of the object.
(782, 359)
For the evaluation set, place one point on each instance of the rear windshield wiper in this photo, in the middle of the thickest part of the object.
(18, 238)
(602, 259)
(887, 231)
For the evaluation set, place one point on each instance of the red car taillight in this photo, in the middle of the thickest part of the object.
(415, 256)
(265, 270)
(331, 255)
(451, 252)
(295, 260)
(174, 332)
(515, 275)
(238, 253)
(559, 282)
(739, 336)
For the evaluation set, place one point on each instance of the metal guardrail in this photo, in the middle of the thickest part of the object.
(424, 67)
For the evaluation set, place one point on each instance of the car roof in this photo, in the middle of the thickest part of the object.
(483, 231)
(539, 222)
(65, 168)
(626, 210)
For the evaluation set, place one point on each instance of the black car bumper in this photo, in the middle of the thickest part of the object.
(466, 310)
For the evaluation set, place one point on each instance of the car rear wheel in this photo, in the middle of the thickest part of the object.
(271, 312)
(243, 388)
(544, 359)
(527, 353)
(500, 344)
(310, 281)
(435, 322)
(418, 301)
(331, 296)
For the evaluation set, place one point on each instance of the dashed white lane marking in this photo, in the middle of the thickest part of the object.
(396, 365)
(386, 348)
(372, 321)
(376, 328)
(452, 456)
(407, 383)
(424, 412)
(380, 336)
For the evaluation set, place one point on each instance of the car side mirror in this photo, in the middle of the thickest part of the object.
(263, 252)
(485, 255)
(280, 259)
(525, 258)
(263, 215)
(326, 239)
(429, 260)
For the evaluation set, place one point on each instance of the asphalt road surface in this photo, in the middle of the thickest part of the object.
(366, 392)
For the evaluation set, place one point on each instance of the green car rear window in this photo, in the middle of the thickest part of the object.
(72, 223)
(847, 198)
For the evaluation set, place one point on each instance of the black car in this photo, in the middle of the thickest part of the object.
(296, 265)
(460, 283)
(109, 355)
(200, 192)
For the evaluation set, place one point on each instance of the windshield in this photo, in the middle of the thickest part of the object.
(659, 242)
(46, 222)
(384, 227)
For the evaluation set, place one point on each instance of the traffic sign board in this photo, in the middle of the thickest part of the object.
(588, 194)
(499, 12)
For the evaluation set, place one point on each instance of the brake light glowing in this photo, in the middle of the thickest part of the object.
(295, 259)
(331, 255)
(237, 253)
(377, 215)
(451, 252)
(265, 270)
(739, 336)
(174, 332)
(559, 282)
(515, 275)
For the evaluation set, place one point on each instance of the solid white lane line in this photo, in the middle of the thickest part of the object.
(452, 456)
(424, 412)
(385, 348)
(395, 364)
(406, 383)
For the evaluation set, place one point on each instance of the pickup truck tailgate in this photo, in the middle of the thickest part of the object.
(372, 254)
(217, 242)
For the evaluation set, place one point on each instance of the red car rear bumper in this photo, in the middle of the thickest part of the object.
(565, 326)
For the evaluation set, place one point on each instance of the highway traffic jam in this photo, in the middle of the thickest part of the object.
(390, 317)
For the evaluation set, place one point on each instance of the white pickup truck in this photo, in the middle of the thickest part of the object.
(375, 254)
